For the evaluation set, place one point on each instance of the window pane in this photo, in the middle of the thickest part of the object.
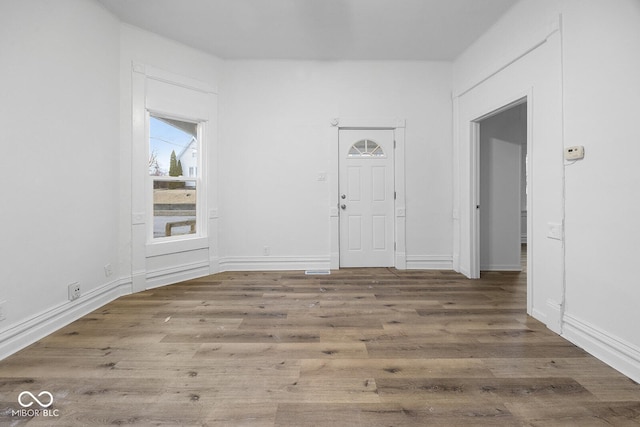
(366, 148)
(174, 208)
(173, 146)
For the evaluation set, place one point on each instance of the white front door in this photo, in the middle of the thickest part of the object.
(366, 198)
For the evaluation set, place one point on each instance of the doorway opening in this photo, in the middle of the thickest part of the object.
(502, 205)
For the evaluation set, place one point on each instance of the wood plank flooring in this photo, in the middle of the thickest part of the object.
(359, 347)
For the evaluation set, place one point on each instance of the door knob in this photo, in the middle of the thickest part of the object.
(343, 206)
(344, 196)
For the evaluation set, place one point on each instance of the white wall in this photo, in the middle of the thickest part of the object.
(275, 138)
(600, 88)
(503, 140)
(59, 114)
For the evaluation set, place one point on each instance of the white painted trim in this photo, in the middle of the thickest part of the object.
(538, 315)
(429, 262)
(334, 194)
(501, 267)
(474, 200)
(176, 246)
(214, 263)
(369, 123)
(554, 316)
(47, 322)
(176, 79)
(143, 247)
(474, 186)
(273, 263)
(169, 276)
(530, 43)
(614, 351)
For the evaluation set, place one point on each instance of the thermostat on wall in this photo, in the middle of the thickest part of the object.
(574, 153)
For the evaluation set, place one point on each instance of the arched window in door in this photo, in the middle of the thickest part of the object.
(366, 148)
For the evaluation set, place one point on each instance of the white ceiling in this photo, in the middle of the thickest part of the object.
(317, 29)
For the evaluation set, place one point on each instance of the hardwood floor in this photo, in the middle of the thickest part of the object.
(359, 347)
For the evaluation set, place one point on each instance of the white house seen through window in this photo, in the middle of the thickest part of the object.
(173, 154)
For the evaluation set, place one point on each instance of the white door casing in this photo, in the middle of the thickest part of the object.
(366, 191)
(534, 73)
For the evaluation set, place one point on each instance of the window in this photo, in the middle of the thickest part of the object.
(366, 148)
(173, 148)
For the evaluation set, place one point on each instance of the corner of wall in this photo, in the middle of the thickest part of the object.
(38, 326)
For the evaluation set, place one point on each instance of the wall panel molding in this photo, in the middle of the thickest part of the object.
(429, 262)
(272, 263)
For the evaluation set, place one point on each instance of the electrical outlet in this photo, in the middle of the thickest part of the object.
(267, 251)
(3, 313)
(574, 153)
(74, 291)
(108, 271)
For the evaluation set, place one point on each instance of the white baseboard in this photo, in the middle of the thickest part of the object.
(401, 261)
(214, 265)
(334, 260)
(27, 332)
(501, 267)
(615, 352)
(554, 316)
(429, 262)
(539, 315)
(273, 263)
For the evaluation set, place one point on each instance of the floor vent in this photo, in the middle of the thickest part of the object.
(317, 272)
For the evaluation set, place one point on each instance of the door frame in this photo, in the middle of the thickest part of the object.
(398, 128)
(475, 176)
(474, 185)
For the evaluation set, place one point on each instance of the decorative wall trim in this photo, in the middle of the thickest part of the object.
(369, 122)
(401, 260)
(554, 316)
(429, 262)
(538, 315)
(273, 263)
(501, 267)
(619, 354)
(527, 45)
(168, 276)
(40, 325)
(171, 78)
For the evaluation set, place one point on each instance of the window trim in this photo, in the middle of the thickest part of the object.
(161, 91)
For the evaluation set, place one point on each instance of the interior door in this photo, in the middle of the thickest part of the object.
(366, 181)
(500, 202)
